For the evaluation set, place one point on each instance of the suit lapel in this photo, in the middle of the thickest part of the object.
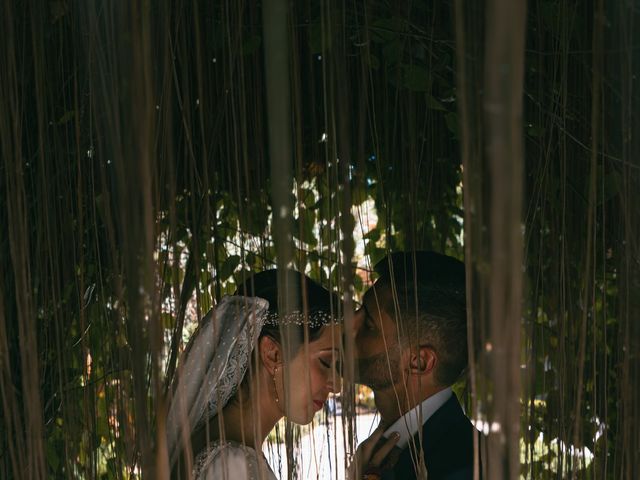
(434, 428)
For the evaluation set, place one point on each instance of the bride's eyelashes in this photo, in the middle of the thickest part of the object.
(331, 365)
(337, 365)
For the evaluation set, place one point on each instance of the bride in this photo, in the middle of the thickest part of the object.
(245, 368)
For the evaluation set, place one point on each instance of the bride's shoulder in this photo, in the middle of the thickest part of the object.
(233, 461)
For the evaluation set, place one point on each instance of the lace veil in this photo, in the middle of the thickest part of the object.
(213, 365)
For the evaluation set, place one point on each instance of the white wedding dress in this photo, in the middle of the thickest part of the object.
(231, 461)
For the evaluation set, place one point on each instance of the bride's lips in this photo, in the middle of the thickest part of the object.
(318, 404)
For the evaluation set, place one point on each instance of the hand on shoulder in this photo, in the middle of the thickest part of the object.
(370, 455)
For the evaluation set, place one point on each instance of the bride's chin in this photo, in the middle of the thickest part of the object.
(302, 418)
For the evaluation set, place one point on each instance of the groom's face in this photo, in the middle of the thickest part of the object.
(378, 349)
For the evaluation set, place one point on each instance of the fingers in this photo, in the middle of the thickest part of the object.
(384, 449)
(370, 443)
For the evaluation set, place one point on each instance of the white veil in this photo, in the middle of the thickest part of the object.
(213, 365)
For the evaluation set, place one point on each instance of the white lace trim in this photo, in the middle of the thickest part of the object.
(257, 466)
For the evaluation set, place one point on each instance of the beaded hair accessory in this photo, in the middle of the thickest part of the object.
(313, 319)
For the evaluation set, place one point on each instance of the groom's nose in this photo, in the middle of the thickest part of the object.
(350, 336)
(358, 318)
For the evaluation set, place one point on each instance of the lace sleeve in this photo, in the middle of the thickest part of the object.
(231, 462)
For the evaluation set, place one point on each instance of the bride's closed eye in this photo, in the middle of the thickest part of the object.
(330, 362)
(337, 365)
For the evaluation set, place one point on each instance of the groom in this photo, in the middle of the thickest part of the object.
(411, 343)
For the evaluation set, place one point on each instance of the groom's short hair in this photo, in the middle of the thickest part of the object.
(426, 297)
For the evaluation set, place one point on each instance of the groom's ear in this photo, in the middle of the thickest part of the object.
(423, 360)
(270, 353)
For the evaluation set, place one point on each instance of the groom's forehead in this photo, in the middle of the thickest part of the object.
(378, 296)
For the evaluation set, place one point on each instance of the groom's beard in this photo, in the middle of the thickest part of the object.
(380, 371)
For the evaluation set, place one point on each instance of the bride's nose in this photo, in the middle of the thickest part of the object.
(334, 383)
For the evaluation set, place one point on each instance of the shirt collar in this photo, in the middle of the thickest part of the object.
(407, 425)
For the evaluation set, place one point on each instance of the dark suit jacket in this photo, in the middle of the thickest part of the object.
(447, 443)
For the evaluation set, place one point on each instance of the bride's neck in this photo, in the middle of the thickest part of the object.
(245, 420)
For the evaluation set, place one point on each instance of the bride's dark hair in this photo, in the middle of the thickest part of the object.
(309, 306)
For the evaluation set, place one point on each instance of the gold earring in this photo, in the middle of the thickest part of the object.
(275, 387)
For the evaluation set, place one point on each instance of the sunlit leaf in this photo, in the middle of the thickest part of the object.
(228, 267)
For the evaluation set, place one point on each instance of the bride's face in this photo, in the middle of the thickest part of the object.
(313, 374)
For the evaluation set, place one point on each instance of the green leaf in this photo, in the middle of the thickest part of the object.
(242, 276)
(434, 104)
(358, 191)
(307, 221)
(52, 457)
(335, 276)
(535, 130)
(326, 234)
(308, 198)
(167, 320)
(254, 217)
(228, 267)
(376, 254)
(373, 235)
(416, 78)
(358, 284)
(66, 117)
